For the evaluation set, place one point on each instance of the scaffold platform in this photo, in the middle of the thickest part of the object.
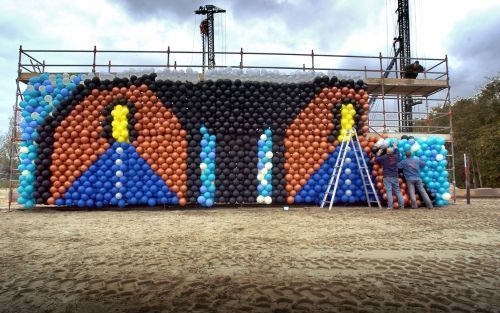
(405, 86)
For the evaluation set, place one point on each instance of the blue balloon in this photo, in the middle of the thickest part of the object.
(201, 200)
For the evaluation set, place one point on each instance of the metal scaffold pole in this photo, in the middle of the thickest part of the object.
(14, 139)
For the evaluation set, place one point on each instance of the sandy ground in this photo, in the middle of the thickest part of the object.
(252, 260)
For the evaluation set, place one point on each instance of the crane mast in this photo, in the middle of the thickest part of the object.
(207, 32)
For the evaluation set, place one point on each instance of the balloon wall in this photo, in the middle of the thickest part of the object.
(432, 152)
(149, 140)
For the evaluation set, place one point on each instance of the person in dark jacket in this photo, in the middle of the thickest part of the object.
(412, 70)
(411, 170)
(389, 162)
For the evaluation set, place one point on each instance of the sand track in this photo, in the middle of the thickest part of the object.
(252, 260)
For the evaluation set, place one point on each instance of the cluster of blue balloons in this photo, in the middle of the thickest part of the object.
(207, 166)
(119, 177)
(350, 185)
(42, 95)
(432, 151)
(264, 167)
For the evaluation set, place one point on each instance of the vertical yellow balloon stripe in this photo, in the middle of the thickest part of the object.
(120, 122)
(347, 120)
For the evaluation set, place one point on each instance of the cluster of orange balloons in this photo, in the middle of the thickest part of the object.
(78, 142)
(161, 140)
(312, 136)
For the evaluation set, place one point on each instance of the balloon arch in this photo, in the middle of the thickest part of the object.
(144, 140)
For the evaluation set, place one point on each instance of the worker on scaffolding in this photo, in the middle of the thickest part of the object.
(411, 70)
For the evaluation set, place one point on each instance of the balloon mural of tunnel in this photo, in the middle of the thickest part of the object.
(147, 141)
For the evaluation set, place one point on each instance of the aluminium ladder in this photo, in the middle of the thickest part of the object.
(362, 168)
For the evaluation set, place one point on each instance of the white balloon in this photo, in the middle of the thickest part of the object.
(348, 182)
(263, 182)
(35, 115)
(347, 160)
(385, 143)
(25, 173)
(118, 184)
(268, 200)
(119, 173)
(118, 196)
(119, 150)
(269, 154)
(347, 171)
(260, 199)
(203, 166)
(263, 137)
(24, 150)
(415, 147)
(348, 193)
(263, 171)
(118, 162)
(446, 196)
(269, 165)
(439, 157)
(260, 176)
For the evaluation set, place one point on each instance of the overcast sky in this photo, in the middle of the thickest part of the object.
(467, 31)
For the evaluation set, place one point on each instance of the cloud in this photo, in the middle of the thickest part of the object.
(330, 27)
(322, 25)
(168, 9)
(474, 52)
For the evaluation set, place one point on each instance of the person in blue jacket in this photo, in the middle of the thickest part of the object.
(389, 162)
(411, 171)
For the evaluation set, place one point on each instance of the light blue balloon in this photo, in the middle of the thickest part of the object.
(201, 200)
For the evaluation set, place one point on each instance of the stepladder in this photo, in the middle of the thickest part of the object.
(350, 148)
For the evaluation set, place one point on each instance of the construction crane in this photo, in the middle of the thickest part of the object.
(207, 32)
(407, 102)
(403, 53)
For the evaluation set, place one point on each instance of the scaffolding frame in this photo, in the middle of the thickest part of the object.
(387, 89)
